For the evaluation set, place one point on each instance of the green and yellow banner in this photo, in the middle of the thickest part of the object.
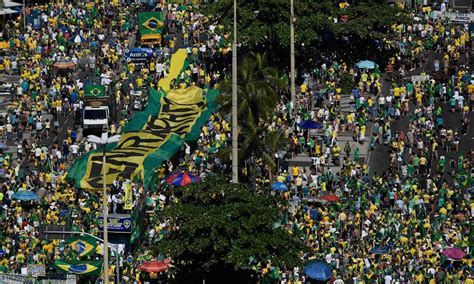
(150, 23)
(94, 90)
(80, 267)
(83, 246)
(150, 138)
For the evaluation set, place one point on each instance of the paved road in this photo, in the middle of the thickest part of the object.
(379, 158)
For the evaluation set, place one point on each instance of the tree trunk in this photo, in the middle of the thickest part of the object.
(253, 175)
(270, 175)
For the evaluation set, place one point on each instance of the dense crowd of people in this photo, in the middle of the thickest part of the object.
(389, 224)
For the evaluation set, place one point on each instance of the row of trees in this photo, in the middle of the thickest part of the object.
(322, 27)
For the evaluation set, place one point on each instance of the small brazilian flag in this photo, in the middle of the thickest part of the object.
(84, 245)
(94, 91)
(464, 179)
(80, 267)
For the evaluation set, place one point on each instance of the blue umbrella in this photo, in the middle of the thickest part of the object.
(25, 195)
(366, 64)
(2, 252)
(317, 270)
(310, 124)
(279, 186)
(380, 250)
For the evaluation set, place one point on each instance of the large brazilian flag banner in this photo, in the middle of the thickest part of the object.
(83, 245)
(80, 267)
(150, 23)
(152, 136)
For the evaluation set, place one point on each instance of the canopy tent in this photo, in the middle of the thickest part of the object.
(7, 11)
(25, 195)
(155, 266)
(11, 4)
(366, 64)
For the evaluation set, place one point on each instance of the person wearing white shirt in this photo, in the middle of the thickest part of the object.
(388, 279)
(74, 150)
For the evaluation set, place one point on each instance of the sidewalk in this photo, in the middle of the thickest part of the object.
(346, 105)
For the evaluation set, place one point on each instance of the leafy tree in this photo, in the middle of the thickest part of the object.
(319, 28)
(347, 83)
(219, 226)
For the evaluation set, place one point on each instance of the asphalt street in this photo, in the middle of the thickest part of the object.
(379, 159)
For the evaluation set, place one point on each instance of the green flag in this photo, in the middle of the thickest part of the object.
(94, 91)
(79, 266)
(84, 245)
(150, 23)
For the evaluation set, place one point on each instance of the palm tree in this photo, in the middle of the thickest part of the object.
(275, 141)
(256, 90)
(257, 99)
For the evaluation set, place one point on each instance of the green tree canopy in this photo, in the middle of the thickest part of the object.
(319, 27)
(218, 225)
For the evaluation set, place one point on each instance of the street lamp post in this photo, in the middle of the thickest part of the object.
(104, 140)
(235, 144)
(117, 255)
(24, 15)
(292, 58)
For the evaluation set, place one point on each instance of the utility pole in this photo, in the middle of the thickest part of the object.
(292, 58)
(235, 143)
(104, 140)
(24, 15)
(105, 213)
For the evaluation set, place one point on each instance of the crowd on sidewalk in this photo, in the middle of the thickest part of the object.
(393, 224)
(47, 97)
(412, 210)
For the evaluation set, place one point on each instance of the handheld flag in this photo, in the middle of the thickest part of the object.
(79, 267)
(464, 179)
(84, 245)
